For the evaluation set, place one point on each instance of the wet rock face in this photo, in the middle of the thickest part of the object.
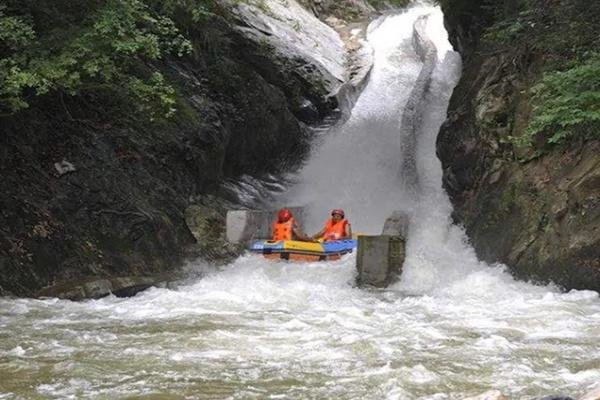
(351, 10)
(540, 215)
(117, 213)
(344, 9)
(91, 190)
(291, 49)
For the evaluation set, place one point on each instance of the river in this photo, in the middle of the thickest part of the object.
(450, 328)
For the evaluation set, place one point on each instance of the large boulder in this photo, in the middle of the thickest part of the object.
(295, 51)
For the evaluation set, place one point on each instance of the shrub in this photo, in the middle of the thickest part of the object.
(51, 46)
(567, 104)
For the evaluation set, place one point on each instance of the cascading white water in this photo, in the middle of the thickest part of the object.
(358, 166)
(260, 330)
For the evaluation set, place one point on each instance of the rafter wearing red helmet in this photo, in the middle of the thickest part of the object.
(286, 227)
(336, 227)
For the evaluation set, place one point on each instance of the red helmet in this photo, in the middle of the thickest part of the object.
(338, 211)
(284, 215)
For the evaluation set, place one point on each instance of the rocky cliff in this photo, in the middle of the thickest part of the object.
(532, 204)
(92, 189)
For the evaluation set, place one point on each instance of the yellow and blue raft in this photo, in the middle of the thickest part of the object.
(304, 251)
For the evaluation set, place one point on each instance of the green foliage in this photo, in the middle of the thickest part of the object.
(507, 30)
(562, 32)
(567, 104)
(14, 32)
(557, 38)
(51, 46)
(153, 90)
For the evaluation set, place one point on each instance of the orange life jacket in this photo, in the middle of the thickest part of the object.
(335, 231)
(283, 230)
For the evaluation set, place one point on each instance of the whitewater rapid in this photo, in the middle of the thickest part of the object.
(255, 329)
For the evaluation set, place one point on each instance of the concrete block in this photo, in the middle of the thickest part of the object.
(379, 259)
(243, 226)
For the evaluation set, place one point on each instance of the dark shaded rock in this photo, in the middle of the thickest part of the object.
(92, 190)
(537, 214)
(97, 288)
(206, 220)
(308, 112)
(555, 397)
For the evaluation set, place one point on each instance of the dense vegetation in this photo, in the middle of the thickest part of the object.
(68, 48)
(567, 97)
(567, 104)
(561, 34)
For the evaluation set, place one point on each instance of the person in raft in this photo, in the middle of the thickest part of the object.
(336, 227)
(286, 228)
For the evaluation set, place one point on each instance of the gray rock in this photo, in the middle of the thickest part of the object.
(396, 224)
(242, 108)
(308, 111)
(98, 288)
(64, 167)
(297, 41)
(131, 285)
(75, 293)
(534, 209)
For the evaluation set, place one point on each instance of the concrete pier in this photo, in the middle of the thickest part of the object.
(380, 258)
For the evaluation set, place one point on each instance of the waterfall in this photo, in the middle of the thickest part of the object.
(372, 164)
(255, 329)
(383, 158)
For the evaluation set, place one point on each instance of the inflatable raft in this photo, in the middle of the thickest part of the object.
(304, 251)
